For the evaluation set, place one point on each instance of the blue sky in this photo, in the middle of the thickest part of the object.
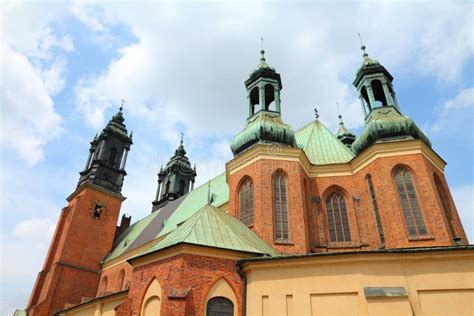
(181, 68)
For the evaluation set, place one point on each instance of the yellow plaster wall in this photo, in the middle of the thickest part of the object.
(152, 300)
(105, 307)
(437, 284)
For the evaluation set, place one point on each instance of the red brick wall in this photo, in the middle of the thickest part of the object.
(307, 217)
(79, 244)
(185, 271)
(261, 172)
(113, 275)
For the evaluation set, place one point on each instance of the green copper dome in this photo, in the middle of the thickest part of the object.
(385, 124)
(263, 127)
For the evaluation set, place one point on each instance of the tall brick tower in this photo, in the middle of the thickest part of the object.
(86, 227)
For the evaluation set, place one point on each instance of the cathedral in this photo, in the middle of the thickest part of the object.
(302, 222)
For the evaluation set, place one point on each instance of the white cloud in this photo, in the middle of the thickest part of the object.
(30, 77)
(37, 231)
(189, 62)
(448, 112)
(464, 198)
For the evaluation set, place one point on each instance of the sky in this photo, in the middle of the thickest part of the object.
(181, 67)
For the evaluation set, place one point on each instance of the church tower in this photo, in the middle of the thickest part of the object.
(87, 225)
(175, 179)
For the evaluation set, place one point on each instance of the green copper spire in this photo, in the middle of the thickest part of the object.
(264, 123)
(344, 135)
(383, 118)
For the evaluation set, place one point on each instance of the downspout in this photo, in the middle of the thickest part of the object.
(244, 288)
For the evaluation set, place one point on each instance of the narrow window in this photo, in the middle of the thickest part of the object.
(246, 202)
(338, 221)
(281, 208)
(376, 209)
(219, 306)
(112, 155)
(121, 278)
(443, 196)
(411, 209)
(104, 284)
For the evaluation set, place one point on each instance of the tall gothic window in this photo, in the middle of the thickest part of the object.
(409, 201)
(246, 202)
(376, 208)
(443, 196)
(281, 207)
(338, 221)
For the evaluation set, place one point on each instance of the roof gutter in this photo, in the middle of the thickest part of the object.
(244, 288)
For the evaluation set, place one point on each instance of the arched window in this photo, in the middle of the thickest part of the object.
(376, 209)
(121, 278)
(219, 306)
(338, 222)
(365, 96)
(246, 203)
(112, 155)
(411, 209)
(443, 196)
(280, 205)
(103, 284)
(269, 97)
(379, 93)
(254, 99)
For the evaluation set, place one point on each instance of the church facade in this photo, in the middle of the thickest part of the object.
(302, 222)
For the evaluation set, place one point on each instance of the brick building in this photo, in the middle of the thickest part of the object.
(302, 222)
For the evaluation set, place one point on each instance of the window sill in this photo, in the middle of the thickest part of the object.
(421, 238)
(283, 242)
(340, 245)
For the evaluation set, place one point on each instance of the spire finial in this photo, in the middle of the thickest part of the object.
(131, 134)
(316, 113)
(262, 51)
(121, 104)
(209, 192)
(339, 114)
(181, 141)
(362, 46)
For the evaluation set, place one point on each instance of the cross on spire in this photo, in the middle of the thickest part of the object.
(339, 111)
(181, 141)
(362, 46)
(121, 104)
(316, 113)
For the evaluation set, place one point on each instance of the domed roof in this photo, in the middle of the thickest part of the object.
(263, 127)
(386, 123)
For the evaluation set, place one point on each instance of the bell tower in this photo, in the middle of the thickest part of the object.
(86, 227)
(175, 179)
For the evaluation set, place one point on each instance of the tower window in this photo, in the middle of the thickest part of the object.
(112, 155)
(443, 196)
(280, 205)
(379, 94)
(254, 99)
(411, 209)
(376, 209)
(97, 211)
(338, 221)
(181, 187)
(246, 203)
(269, 97)
(219, 306)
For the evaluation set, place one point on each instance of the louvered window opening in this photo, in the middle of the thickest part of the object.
(443, 196)
(281, 207)
(376, 209)
(338, 222)
(246, 203)
(411, 209)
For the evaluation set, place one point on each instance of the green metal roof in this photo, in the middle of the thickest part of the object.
(321, 146)
(129, 235)
(263, 127)
(196, 199)
(212, 227)
(387, 123)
